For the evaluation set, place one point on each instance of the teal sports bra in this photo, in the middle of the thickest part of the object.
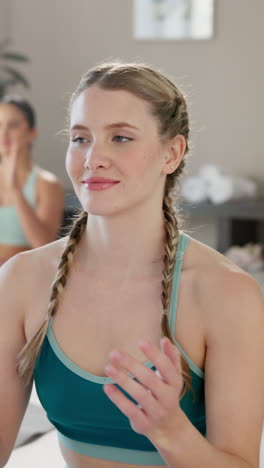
(86, 420)
(11, 232)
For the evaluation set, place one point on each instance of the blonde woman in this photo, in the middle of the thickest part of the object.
(31, 198)
(94, 321)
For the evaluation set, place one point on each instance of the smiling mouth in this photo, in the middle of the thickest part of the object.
(98, 184)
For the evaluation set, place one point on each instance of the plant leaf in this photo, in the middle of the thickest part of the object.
(17, 76)
(14, 56)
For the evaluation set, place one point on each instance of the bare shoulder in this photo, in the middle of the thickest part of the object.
(231, 307)
(32, 268)
(47, 178)
(224, 292)
(30, 275)
(42, 259)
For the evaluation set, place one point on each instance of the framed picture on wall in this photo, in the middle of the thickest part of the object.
(173, 19)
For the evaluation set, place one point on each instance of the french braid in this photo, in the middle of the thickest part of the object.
(27, 356)
(172, 237)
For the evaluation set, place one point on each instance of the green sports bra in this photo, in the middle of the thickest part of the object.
(86, 420)
(11, 232)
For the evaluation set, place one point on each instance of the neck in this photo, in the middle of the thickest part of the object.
(133, 243)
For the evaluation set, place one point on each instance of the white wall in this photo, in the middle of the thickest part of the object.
(223, 77)
(5, 19)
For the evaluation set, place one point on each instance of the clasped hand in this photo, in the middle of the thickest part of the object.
(156, 392)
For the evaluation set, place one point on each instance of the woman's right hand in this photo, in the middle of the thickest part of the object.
(11, 168)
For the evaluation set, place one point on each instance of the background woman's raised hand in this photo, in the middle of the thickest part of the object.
(11, 168)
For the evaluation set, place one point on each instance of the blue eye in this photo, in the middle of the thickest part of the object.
(121, 139)
(79, 140)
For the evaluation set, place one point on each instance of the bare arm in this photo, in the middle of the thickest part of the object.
(14, 395)
(41, 225)
(234, 318)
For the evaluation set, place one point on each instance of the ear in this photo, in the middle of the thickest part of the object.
(175, 150)
(33, 135)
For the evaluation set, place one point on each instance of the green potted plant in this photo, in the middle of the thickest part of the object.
(9, 75)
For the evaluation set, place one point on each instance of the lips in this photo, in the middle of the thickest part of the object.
(99, 183)
(99, 180)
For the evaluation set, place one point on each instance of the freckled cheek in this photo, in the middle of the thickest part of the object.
(74, 164)
(137, 163)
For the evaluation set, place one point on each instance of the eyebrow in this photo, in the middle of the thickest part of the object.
(113, 125)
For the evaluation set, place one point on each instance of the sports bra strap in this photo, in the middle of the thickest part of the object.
(182, 246)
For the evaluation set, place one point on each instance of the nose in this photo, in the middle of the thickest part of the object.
(95, 158)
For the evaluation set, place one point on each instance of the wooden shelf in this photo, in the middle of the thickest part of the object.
(238, 221)
(246, 209)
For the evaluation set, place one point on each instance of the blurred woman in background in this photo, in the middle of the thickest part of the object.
(31, 198)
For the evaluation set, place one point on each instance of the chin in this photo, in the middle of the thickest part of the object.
(100, 209)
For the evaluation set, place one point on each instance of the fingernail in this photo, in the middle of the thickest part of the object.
(144, 344)
(110, 370)
(116, 355)
(109, 388)
(164, 339)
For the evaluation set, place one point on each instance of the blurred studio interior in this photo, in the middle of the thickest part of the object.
(212, 49)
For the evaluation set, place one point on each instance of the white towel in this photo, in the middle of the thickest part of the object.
(213, 185)
(209, 172)
(224, 188)
(194, 189)
(249, 256)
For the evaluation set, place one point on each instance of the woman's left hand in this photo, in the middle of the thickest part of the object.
(157, 392)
